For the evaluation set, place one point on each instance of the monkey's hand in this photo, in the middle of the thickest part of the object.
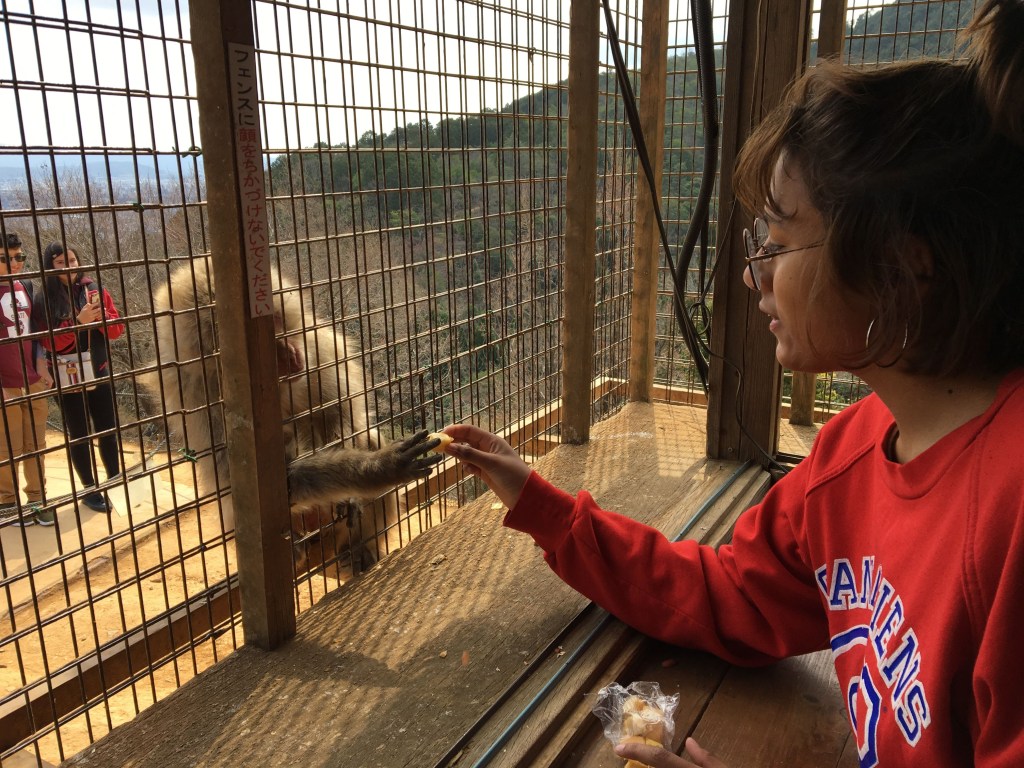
(339, 473)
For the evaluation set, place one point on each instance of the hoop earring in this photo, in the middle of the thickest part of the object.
(903, 347)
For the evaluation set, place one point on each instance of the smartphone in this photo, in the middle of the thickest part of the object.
(94, 297)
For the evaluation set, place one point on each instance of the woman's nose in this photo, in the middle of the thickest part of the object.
(748, 277)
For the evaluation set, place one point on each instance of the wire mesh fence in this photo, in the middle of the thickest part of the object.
(414, 159)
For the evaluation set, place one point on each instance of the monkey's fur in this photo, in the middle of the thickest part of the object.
(322, 402)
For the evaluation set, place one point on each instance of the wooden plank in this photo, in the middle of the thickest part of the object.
(766, 49)
(550, 733)
(580, 212)
(91, 678)
(392, 668)
(790, 714)
(695, 676)
(647, 241)
(247, 345)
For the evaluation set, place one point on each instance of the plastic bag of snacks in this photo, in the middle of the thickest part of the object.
(638, 713)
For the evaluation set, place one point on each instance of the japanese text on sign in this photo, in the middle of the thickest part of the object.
(249, 161)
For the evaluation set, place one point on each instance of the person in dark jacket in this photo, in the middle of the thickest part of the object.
(81, 317)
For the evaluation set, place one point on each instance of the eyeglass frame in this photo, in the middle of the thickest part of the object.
(8, 258)
(752, 247)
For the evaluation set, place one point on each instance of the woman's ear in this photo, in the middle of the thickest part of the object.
(919, 258)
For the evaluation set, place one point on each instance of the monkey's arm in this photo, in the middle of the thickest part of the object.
(338, 473)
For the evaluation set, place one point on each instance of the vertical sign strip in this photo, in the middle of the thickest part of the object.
(249, 163)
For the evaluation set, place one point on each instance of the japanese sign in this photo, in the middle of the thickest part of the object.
(249, 161)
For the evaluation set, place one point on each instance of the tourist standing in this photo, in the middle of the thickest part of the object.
(24, 377)
(80, 316)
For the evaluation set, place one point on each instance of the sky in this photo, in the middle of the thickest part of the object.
(118, 74)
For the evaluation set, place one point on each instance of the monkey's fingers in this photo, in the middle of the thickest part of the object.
(421, 442)
(421, 468)
(407, 443)
(427, 462)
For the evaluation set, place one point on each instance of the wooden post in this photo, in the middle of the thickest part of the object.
(831, 29)
(580, 215)
(647, 242)
(252, 408)
(766, 50)
(801, 399)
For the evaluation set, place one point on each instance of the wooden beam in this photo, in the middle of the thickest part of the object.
(92, 677)
(831, 28)
(247, 345)
(562, 714)
(801, 410)
(767, 49)
(647, 242)
(580, 214)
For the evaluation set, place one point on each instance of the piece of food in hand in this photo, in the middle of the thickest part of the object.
(639, 740)
(642, 718)
(642, 723)
(446, 440)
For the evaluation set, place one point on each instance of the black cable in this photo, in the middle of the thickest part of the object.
(690, 335)
(704, 44)
(700, 216)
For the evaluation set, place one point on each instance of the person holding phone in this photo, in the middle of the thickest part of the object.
(80, 315)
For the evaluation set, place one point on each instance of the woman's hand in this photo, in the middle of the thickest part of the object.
(656, 757)
(491, 459)
(92, 312)
(43, 370)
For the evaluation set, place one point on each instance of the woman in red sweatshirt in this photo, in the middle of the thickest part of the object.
(81, 317)
(888, 242)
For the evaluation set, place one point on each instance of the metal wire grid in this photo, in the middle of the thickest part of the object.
(87, 92)
(878, 32)
(417, 188)
(683, 159)
(617, 169)
(455, 304)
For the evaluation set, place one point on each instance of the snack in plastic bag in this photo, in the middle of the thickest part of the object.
(638, 713)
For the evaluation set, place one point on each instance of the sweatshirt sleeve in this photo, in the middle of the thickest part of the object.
(111, 329)
(64, 339)
(751, 602)
(994, 585)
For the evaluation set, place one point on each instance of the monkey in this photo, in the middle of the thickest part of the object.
(323, 402)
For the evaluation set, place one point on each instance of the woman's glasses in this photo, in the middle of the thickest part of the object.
(758, 250)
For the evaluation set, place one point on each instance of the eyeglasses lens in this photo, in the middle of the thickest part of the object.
(754, 242)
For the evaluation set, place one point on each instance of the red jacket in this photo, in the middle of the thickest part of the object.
(67, 339)
(912, 574)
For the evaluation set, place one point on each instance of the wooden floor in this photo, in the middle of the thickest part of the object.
(463, 648)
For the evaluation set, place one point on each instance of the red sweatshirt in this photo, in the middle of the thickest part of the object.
(66, 336)
(912, 573)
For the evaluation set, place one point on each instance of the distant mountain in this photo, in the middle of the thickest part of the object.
(122, 169)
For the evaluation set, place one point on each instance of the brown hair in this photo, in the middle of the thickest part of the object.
(924, 152)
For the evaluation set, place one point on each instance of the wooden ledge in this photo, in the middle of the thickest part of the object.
(429, 649)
